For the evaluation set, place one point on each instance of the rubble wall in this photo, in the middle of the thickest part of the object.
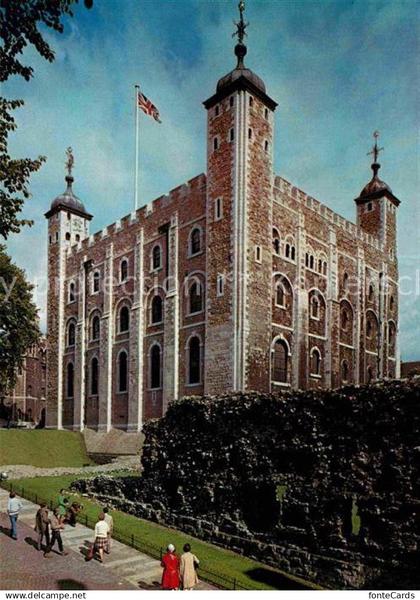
(324, 485)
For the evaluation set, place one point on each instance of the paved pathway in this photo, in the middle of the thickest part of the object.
(23, 567)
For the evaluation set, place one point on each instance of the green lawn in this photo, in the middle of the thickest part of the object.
(248, 573)
(42, 448)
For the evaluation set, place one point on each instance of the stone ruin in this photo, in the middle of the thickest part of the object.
(323, 485)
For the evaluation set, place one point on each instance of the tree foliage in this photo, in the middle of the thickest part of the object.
(19, 27)
(18, 320)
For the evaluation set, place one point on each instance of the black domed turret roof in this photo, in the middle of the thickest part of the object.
(68, 199)
(375, 184)
(231, 77)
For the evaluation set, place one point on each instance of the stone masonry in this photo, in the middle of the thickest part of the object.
(234, 281)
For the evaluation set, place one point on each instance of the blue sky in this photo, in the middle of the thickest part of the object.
(338, 69)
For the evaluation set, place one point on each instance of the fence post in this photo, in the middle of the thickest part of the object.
(234, 583)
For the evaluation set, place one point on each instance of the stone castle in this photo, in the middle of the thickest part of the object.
(234, 281)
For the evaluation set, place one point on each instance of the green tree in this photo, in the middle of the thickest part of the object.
(18, 320)
(19, 28)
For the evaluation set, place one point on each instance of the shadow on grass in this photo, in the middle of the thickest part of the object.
(70, 584)
(275, 580)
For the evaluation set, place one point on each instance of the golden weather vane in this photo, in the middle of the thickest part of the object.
(375, 150)
(240, 25)
(69, 161)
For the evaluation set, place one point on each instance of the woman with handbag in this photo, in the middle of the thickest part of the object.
(188, 569)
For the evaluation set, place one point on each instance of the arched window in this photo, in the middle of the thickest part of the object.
(195, 241)
(96, 328)
(70, 380)
(319, 265)
(276, 241)
(194, 360)
(279, 362)
(292, 253)
(369, 375)
(155, 376)
(306, 259)
(157, 309)
(344, 371)
(314, 307)
(68, 236)
(311, 262)
(124, 319)
(156, 257)
(371, 292)
(391, 303)
(391, 338)
(196, 298)
(324, 268)
(124, 270)
(287, 251)
(94, 376)
(72, 291)
(315, 359)
(71, 333)
(96, 281)
(122, 371)
(280, 295)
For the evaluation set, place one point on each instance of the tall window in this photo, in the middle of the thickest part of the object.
(122, 371)
(70, 380)
(72, 291)
(195, 241)
(196, 298)
(344, 371)
(276, 241)
(280, 295)
(344, 319)
(218, 209)
(314, 308)
(345, 282)
(194, 360)
(371, 292)
(96, 281)
(155, 379)
(391, 303)
(315, 362)
(124, 270)
(94, 376)
(156, 257)
(279, 362)
(157, 310)
(369, 375)
(369, 328)
(71, 334)
(96, 328)
(124, 319)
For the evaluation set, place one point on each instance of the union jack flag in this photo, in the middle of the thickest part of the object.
(148, 107)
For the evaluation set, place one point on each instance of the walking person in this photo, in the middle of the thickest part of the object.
(170, 564)
(188, 569)
(101, 536)
(72, 513)
(110, 522)
(56, 528)
(62, 505)
(42, 525)
(13, 508)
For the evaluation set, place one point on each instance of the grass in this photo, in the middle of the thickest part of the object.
(249, 574)
(42, 448)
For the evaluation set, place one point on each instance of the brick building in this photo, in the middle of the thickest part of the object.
(27, 401)
(235, 280)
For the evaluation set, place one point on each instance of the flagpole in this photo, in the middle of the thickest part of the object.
(136, 167)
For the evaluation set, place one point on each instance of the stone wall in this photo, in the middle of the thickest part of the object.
(278, 479)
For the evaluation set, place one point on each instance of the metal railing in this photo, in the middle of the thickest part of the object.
(155, 551)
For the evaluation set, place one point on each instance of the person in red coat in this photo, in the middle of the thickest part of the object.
(170, 564)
